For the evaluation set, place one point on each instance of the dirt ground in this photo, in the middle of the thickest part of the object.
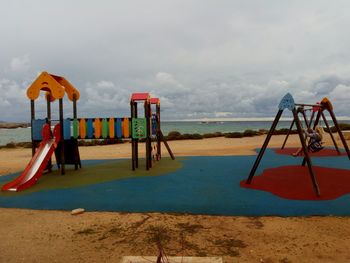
(57, 236)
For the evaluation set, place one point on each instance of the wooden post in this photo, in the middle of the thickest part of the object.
(62, 138)
(32, 118)
(158, 132)
(306, 153)
(341, 136)
(148, 135)
(307, 123)
(48, 107)
(137, 140)
(133, 158)
(75, 116)
(262, 150)
(167, 145)
(285, 140)
(330, 132)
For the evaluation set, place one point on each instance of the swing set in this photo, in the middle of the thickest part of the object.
(287, 102)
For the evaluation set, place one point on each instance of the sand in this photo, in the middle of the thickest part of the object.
(57, 236)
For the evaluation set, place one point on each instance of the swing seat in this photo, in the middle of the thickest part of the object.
(315, 147)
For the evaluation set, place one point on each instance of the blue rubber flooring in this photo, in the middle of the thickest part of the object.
(204, 185)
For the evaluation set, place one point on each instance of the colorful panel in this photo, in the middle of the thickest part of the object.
(66, 129)
(82, 128)
(90, 129)
(98, 128)
(125, 125)
(139, 128)
(111, 128)
(118, 127)
(37, 126)
(105, 128)
(287, 102)
(75, 128)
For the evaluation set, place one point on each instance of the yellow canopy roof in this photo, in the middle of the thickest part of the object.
(55, 85)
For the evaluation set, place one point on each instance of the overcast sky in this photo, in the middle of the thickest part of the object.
(202, 58)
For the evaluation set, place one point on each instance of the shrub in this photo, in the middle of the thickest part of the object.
(250, 133)
(10, 145)
(173, 135)
(212, 135)
(233, 135)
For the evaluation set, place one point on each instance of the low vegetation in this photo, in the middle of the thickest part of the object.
(175, 135)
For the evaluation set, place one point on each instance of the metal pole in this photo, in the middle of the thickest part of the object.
(159, 151)
(263, 148)
(137, 140)
(32, 118)
(167, 146)
(341, 136)
(330, 133)
(148, 135)
(306, 153)
(132, 110)
(285, 140)
(48, 104)
(62, 139)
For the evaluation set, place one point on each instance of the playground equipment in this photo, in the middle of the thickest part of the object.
(68, 131)
(145, 128)
(287, 102)
(56, 87)
(37, 165)
(319, 109)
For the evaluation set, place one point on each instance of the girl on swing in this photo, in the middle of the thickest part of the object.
(315, 143)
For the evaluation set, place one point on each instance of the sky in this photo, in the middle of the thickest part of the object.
(203, 59)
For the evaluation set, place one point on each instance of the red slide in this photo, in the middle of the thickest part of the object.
(38, 163)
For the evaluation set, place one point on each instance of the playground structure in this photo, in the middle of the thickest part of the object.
(144, 128)
(287, 102)
(318, 108)
(69, 130)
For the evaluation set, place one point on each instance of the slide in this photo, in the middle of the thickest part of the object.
(37, 165)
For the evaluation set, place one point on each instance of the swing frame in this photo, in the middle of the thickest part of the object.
(287, 102)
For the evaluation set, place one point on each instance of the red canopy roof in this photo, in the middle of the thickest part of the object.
(140, 96)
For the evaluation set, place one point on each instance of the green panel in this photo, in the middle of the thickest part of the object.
(105, 128)
(139, 128)
(75, 128)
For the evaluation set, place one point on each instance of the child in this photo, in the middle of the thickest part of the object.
(315, 143)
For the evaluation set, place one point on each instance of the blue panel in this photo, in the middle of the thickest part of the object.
(154, 125)
(287, 102)
(66, 129)
(90, 129)
(118, 128)
(37, 126)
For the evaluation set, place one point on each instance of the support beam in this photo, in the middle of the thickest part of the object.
(288, 133)
(341, 136)
(330, 132)
(262, 150)
(48, 108)
(63, 171)
(167, 146)
(306, 153)
(32, 118)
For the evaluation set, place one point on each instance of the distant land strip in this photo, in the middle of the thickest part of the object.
(13, 125)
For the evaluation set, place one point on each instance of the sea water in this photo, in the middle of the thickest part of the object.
(23, 134)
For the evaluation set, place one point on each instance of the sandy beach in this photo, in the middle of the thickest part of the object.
(56, 236)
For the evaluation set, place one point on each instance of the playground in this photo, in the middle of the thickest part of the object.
(310, 184)
(215, 198)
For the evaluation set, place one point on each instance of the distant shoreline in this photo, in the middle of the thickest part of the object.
(13, 125)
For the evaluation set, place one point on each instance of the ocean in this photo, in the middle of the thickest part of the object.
(23, 134)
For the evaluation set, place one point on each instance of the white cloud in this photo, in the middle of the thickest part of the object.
(229, 57)
(19, 64)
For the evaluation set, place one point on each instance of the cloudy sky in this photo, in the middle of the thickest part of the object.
(204, 59)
